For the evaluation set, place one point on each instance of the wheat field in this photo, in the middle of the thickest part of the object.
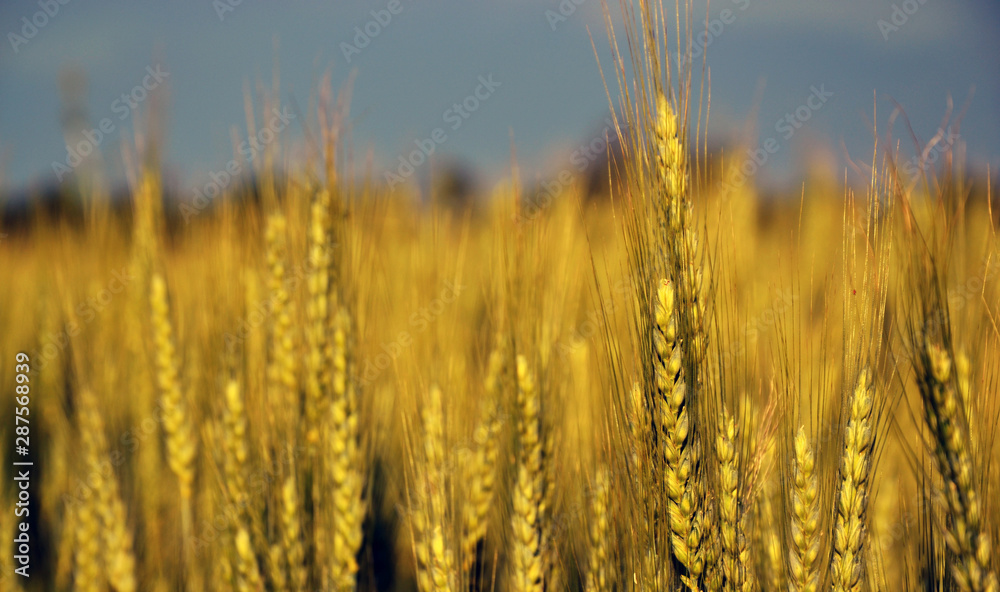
(681, 387)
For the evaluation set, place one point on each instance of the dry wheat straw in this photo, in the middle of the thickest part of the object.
(804, 550)
(850, 531)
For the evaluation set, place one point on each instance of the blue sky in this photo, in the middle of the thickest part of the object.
(764, 62)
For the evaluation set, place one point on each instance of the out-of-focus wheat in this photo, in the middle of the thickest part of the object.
(181, 443)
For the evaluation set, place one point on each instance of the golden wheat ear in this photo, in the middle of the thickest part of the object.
(965, 536)
(851, 529)
(177, 424)
(805, 544)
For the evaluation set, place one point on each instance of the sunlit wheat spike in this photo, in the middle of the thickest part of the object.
(804, 550)
(292, 535)
(966, 538)
(599, 568)
(276, 566)
(850, 531)
(678, 451)
(181, 442)
(235, 442)
(88, 572)
(481, 486)
(248, 573)
(963, 376)
(766, 536)
(317, 311)
(712, 549)
(672, 167)
(527, 563)
(117, 554)
(436, 569)
(725, 452)
(344, 460)
(674, 238)
(526, 559)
